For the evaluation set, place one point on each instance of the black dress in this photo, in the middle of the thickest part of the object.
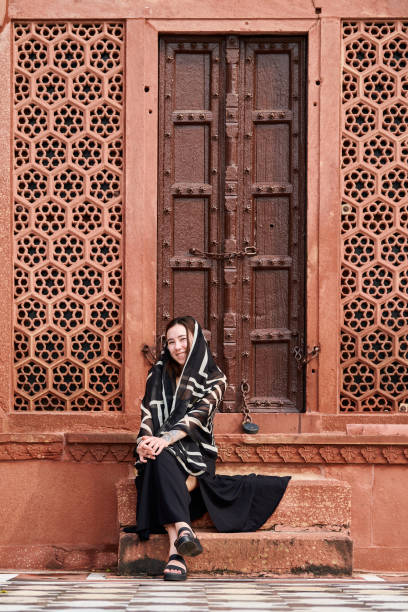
(234, 503)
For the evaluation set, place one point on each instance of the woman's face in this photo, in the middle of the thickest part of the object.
(177, 342)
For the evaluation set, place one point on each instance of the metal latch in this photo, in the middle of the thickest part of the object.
(302, 358)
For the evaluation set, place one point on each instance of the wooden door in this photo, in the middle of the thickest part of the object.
(231, 211)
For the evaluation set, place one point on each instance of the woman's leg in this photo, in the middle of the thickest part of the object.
(191, 483)
(172, 531)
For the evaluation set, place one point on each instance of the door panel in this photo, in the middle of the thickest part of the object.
(231, 214)
(188, 211)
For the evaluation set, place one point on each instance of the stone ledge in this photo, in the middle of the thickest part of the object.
(22, 447)
(309, 449)
(319, 504)
(265, 552)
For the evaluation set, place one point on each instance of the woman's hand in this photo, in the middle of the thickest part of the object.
(149, 447)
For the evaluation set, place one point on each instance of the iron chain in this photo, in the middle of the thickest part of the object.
(249, 251)
(245, 408)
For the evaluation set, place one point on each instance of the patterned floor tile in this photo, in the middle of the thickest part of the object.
(104, 592)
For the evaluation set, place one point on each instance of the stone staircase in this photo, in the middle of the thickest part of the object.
(308, 534)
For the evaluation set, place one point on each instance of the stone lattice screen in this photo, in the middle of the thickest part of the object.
(68, 118)
(374, 348)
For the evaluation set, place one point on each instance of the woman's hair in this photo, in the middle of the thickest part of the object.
(188, 322)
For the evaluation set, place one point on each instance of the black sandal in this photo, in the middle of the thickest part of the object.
(188, 545)
(172, 575)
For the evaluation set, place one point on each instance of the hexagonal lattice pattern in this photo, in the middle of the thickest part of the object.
(32, 185)
(67, 378)
(105, 185)
(394, 249)
(358, 314)
(115, 87)
(31, 250)
(86, 87)
(374, 215)
(87, 153)
(394, 378)
(69, 120)
(21, 152)
(31, 378)
(379, 86)
(395, 53)
(358, 249)
(360, 54)
(104, 378)
(68, 249)
(21, 346)
(51, 87)
(358, 378)
(86, 217)
(50, 152)
(68, 314)
(86, 346)
(115, 346)
(115, 282)
(86, 402)
(377, 346)
(31, 314)
(395, 118)
(21, 217)
(87, 282)
(68, 55)
(21, 87)
(378, 217)
(105, 249)
(360, 119)
(394, 184)
(105, 120)
(379, 150)
(376, 281)
(21, 282)
(394, 314)
(49, 401)
(49, 282)
(105, 54)
(32, 120)
(105, 314)
(359, 184)
(50, 217)
(348, 346)
(32, 54)
(348, 281)
(349, 86)
(68, 185)
(49, 345)
(403, 347)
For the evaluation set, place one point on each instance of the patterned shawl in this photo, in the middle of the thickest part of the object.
(189, 407)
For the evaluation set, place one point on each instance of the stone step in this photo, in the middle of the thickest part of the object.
(259, 553)
(309, 504)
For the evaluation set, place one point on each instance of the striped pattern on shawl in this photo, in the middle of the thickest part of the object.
(190, 407)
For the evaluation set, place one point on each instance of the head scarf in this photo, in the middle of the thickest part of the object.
(190, 406)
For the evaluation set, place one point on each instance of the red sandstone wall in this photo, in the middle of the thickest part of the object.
(58, 506)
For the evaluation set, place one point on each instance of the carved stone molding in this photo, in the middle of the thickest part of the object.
(277, 449)
(313, 453)
(17, 447)
(98, 453)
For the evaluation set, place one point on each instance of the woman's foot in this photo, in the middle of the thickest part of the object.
(187, 543)
(175, 569)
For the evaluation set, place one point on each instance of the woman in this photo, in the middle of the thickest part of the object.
(176, 453)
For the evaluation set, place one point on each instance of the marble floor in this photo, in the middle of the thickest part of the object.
(61, 591)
